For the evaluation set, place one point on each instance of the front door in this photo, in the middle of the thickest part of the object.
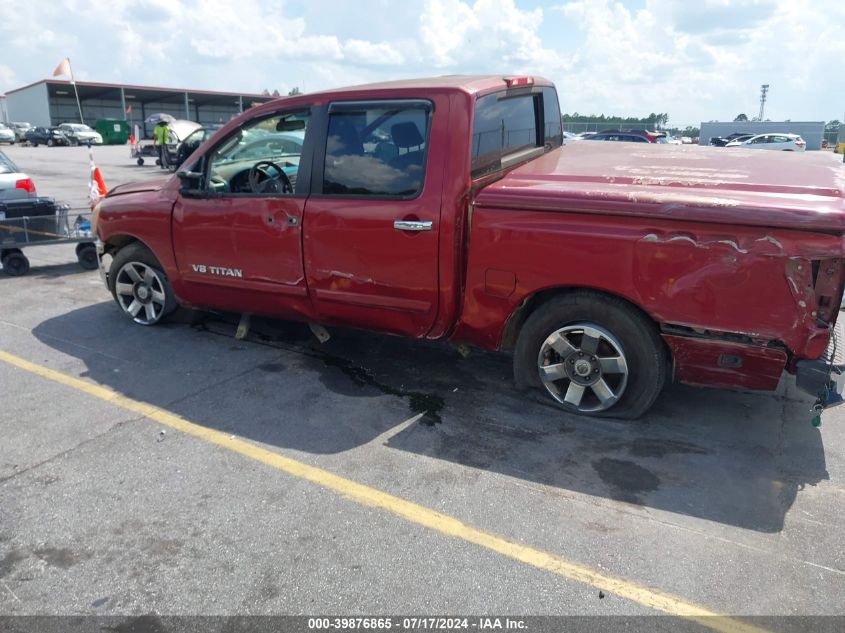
(237, 238)
(372, 222)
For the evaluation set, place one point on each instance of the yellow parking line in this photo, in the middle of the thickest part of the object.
(412, 512)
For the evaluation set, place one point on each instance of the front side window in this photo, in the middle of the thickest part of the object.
(506, 123)
(260, 158)
(376, 149)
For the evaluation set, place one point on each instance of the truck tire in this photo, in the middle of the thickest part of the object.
(594, 355)
(139, 286)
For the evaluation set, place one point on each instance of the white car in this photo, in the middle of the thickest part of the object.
(785, 142)
(81, 134)
(7, 134)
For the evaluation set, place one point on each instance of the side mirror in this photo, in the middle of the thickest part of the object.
(190, 184)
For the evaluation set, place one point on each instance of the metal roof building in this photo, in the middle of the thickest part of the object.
(811, 131)
(52, 101)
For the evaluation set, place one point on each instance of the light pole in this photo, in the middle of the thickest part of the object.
(763, 90)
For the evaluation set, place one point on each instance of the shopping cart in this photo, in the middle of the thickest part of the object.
(65, 226)
(142, 149)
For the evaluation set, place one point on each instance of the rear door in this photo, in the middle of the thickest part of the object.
(372, 222)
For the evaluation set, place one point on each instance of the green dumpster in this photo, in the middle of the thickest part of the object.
(113, 131)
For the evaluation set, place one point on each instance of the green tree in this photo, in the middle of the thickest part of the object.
(741, 117)
(294, 91)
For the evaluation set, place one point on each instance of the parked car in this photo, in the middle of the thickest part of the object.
(81, 134)
(49, 136)
(625, 137)
(432, 209)
(20, 129)
(785, 142)
(7, 134)
(721, 141)
(649, 136)
(569, 137)
(14, 183)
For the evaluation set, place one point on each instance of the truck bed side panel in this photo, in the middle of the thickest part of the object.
(752, 281)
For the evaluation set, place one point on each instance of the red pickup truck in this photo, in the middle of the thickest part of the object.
(448, 208)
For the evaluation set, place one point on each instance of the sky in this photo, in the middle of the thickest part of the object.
(696, 60)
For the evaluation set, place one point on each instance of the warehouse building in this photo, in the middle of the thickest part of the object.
(811, 131)
(52, 101)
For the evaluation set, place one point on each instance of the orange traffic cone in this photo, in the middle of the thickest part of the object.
(101, 184)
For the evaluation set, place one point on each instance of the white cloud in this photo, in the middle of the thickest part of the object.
(7, 76)
(696, 60)
(706, 60)
(363, 52)
(485, 36)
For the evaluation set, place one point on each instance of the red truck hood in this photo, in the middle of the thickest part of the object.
(153, 184)
(794, 190)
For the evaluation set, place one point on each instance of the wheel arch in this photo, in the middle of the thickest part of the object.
(119, 241)
(532, 302)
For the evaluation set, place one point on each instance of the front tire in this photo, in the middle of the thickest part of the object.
(593, 354)
(139, 286)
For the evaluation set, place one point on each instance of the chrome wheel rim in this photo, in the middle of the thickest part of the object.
(140, 292)
(583, 366)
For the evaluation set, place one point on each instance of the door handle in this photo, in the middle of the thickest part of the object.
(412, 225)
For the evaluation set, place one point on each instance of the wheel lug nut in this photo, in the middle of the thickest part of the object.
(595, 371)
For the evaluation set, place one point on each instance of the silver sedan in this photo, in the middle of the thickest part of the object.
(13, 183)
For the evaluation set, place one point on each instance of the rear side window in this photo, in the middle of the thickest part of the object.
(511, 121)
(375, 149)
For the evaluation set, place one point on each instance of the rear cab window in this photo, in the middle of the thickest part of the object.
(513, 125)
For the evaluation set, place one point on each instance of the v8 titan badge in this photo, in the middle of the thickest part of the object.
(220, 271)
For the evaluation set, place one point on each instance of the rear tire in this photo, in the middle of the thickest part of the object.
(50, 142)
(598, 355)
(139, 286)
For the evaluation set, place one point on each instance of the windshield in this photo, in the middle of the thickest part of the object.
(78, 127)
(263, 142)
